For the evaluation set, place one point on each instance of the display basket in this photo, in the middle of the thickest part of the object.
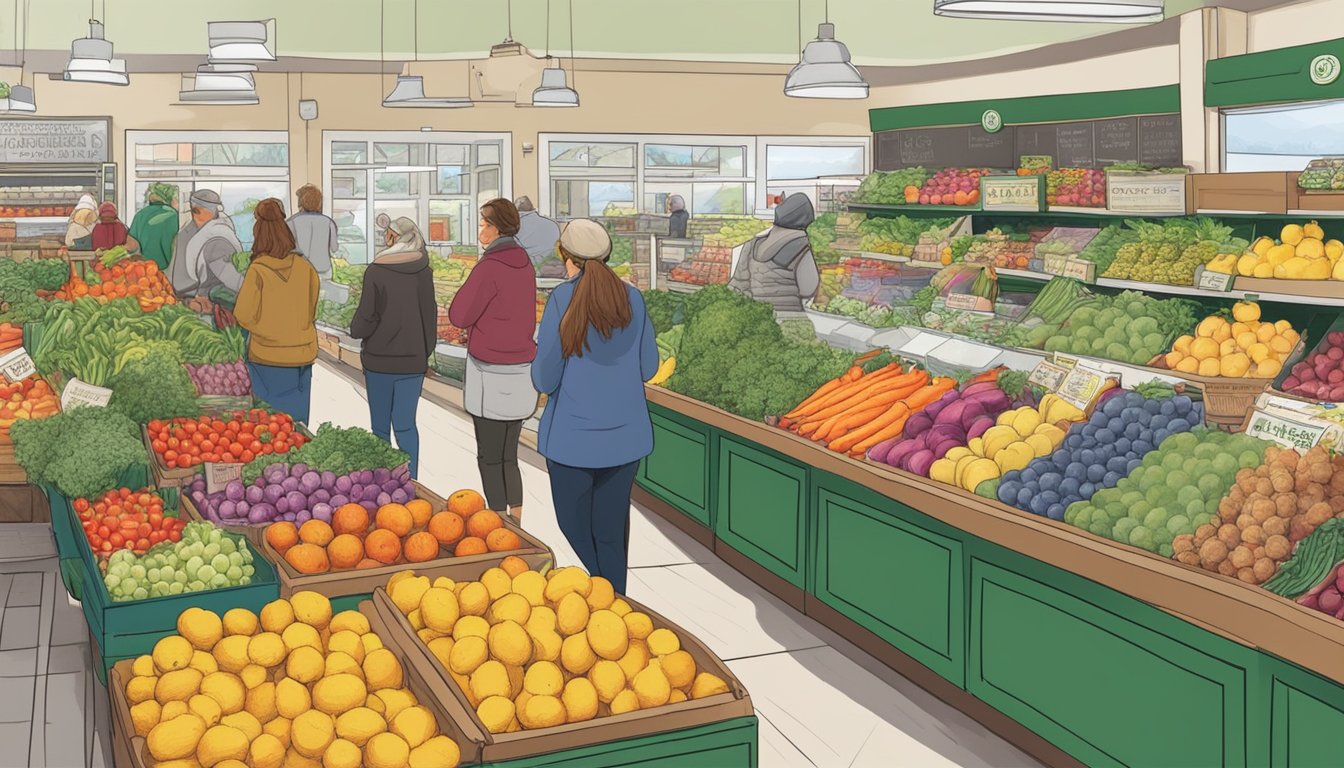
(165, 476)
(1226, 400)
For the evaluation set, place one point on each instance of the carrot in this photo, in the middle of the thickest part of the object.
(866, 356)
(851, 420)
(848, 376)
(990, 375)
(862, 394)
(847, 389)
(897, 411)
(887, 422)
(858, 414)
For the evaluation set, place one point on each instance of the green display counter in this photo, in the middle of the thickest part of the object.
(1077, 650)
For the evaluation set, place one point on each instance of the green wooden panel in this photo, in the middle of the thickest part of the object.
(1306, 720)
(1105, 689)
(1267, 77)
(678, 470)
(1162, 99)
(763, 508)
(729, 744)
(863, 553)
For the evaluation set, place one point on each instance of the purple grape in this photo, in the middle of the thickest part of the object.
(328, 479)
(369, 505)
(381, 475)
(275, 473)
(390, 485)
(290, 484)
(272, 494)
(296, 500)
(282, 505)
(339, 500)
(357, 491)
(258, 515)
(263, 509)
(366, 476)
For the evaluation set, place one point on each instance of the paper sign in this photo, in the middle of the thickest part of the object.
(1048, 375)
(77, 393)
(1082, 386)
(1011, 193)
(1214, 281)
(1157, 193)
(219, 475)
(1065, 360)
(1289, 433)
(17, 365)
(1079, 269)
(966, 302)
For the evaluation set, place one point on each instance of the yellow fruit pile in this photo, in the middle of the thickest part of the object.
(1019, 435)
(1301, 253)
(293, 687)
(1244, 348)
(533, 651)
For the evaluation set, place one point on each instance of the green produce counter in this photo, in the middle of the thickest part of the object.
(731, 742)
(1078, 650)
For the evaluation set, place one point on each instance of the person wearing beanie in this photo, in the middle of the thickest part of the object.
(396, 319)
(536, 233)
(677, 216)
(155, 225)
(497, 307)
(595, 350)
(203, 253)
(777, 267)
(277, 306)
(109, 232)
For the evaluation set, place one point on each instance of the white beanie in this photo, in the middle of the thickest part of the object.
(586, 240)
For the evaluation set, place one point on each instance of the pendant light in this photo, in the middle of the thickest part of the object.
(91, 57)
(235, 42)
(554, 90)
(20, 99)
(1091, 11)
(222, 84)
(409, 91)
(825, 71)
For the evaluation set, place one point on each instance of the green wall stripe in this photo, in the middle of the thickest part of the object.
(1162, 99)
(1268, 77)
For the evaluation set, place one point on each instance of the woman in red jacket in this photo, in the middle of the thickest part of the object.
(497, 308)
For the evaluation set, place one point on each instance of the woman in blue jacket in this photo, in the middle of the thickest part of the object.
(595, 350)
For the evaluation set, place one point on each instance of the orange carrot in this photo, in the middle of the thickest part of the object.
(861, 413)
(866, 356)
(990, 375)
(851, 375)
(887, 422)
(848, 388)
(851, 420)
(862, 394)
(898, 411)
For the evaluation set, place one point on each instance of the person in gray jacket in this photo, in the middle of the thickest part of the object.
(203, 252)
(777, 266)
(314, 232)
(536, 234)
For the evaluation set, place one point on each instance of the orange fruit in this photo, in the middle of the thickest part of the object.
(466, 502)
(421, 546)
(470, 546)
(513, 565)
(420, 511)
(367, 563)
(503, 540)
(383, 545)
(351, 518)
(482, 523)
(345, 551)
(447, 527)
(316, 532)
(394, 518)
(282, 536)
(308, 558)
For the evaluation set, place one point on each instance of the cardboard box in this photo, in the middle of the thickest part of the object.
(501, 747)
(1250, 192)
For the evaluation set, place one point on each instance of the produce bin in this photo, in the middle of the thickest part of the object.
(65, 528)
(10, 471)
(175, 477)
(72, 576)
(1228, 402)
(356, 582)
(665, 722)
(450, 361)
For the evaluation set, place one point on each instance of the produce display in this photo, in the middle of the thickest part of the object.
(332, 449)
(1103, 249)
(949, 421)
(126, 519)
(709, 266)
(296, 685)
(1078, 187)
(1016, 437)
(33, 211)
(185, 443)
(299, 493)
(139, 279)
(396, 533)
(890, 188)
(1300, 253)
(531, 651)
(1169, 253)
(26, 399)
(730, 235)
(81, 452)
(199, 557)
(998, 248)
(221, 378)
(22, 285)
(1323, 175)
(950, 186)
(1244, 348)
(1132, 327)
(1321, 375)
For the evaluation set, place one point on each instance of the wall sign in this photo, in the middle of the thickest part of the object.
(992, 122)
(54, 141)
(1324, 69)
(1152, 193)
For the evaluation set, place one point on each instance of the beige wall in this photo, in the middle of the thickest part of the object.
(1296, 24)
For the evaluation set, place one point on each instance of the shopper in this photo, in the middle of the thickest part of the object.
(536, 233)
(497, 306)
(79, 228)
(595, 350)
(314, 232)
(396, 319)
(777, 267)
(677, 215)
(277, 305)
(203, 253)
(155, 225)
(109, 232)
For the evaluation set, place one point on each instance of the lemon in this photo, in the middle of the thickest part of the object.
(260, 702)
(543, 679)
(382, 670)
(468, 654)
(438, 609)
(386, 750)
(371, 642)
(312, 608)
(305, 664)
(661, 642)
(200, 627)
(240, 621)
(679, 668)
(347, 642)
(311, 733)
(474, 600)
(607, 679)
(496, 713)
(531, 586)
(359, 725)
(175, 739)
(205, 708)
(266, 649)
(342, 754)
(490, 679)
(144, 716)
(651, 686)
(511, 607)
(352, 621)
(291, 698)
(278, 728)
(542, 617)
(222, 743)
(438, 752)
(245, 722)
(267, 751)
(393, 701)
(510, 643)
(575, 654)
(620, 607)
(442, 648)
(542, 712)
(406, 593)
(638, 625)
(497, 582)
(625, 701)
(141, 688)
(635, 659)
(143, 666)
(607, 635)
(470, 626)
(580, 700)
(707, 685)
(172, 652)
(299, 635)
(227, 689)
(339, 663)
(178, 685)
(337, 694)
(275, 616)
(564, 581)
(546, 645)
(415, 725)
(252, 675)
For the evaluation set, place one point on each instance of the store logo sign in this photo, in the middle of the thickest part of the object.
(992, 122)
(1324, 69)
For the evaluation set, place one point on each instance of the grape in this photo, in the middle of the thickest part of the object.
(205, 558)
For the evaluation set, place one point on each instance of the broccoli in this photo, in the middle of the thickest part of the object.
(82, 452)
(154, 385)
(662, 307)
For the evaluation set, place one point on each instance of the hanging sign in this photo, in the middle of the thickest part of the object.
(1289, 433)
(1149, 193)
(991, 121)
(17, 365)
(219, 475)
(77, 393)
(76, 142)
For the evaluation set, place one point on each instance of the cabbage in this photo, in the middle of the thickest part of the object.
(339, 500)
(343, 484)
(255, 493)
(320, 496)
(296, 500)
(309, 482)
(290, 484)
(234, 490)
(227, 508)
(272, 494)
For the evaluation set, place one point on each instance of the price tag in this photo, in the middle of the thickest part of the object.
(77, 393)
(1214, 281)
(1048, 375)
(17, 365)
(219, 475)
(1065, 360)
(967, 302)
(1082, 386)
(1290, 433)
(1079, 270)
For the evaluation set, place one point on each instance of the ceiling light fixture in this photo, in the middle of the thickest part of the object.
(239, 41)
(220, 84)
(1093, 11)
(825, 71)
(91, 59)
(20, 100)
(554, 90)
(409, 91)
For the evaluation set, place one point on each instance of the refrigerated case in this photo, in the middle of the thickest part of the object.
(45, 166)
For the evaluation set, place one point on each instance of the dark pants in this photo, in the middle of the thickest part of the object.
(393, 401)
(497, 458)
(592, 507)
(287, 390)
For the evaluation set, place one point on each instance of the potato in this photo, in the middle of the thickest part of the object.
(1263, 510)
(1227, 568)
(1241, 557)
(1281, 481)
(1276, 526)
(1319, 513)
(1245, 521)
(1253, 534)
(1265, 488)
(1246, 574)
(1263, 570)
(1229, 535)
(1189, 558)
(1286, 505)
(1213, 551)
(1205, 532)
(1277, 547)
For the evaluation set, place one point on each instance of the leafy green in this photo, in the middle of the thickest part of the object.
(663, 307)
(81, 452)
(883, 188)
(337, 450)
(153, 385)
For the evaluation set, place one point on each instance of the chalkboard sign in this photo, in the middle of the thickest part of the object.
(1160, 141)
(1036, 140)
(1074, 145)
(1117, 141)
(962, 146)
(990, 150)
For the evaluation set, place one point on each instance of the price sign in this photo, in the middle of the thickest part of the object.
(1082, 386)
(17, 365)
(219, 475)
(77, 393)
(1214, 281)
(1290, 433)
(1065, 360)
(1010, 193)
(1156, 193)
(966, 302)
(1048, 375)
(1079, 270)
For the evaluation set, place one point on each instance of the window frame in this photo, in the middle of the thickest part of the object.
(1224, 113)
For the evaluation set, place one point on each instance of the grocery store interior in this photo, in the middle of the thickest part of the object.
(998, 413)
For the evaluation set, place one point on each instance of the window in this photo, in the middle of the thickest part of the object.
(1281, 138)
(787, 162)
(576, 199)
(566, 155)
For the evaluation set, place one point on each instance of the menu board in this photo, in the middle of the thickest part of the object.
(1117, 141)
(26, 140)
(962, 146)
(1160, 141)
(1075, 146)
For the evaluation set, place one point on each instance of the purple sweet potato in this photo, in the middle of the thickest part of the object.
(979, 386)
(902, 450)
(980, 426)
(920, 462)
(952, 413)
(970, 413)
(993, 401)
(918, 424)
(878, 453)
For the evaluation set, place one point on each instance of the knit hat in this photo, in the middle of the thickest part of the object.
(586, 240)
(207, 199)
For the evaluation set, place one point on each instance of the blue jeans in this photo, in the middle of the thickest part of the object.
(592, 507)
(287, 390)
(393, 400)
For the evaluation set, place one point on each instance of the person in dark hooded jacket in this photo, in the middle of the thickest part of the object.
(777, 267)
(396, 318)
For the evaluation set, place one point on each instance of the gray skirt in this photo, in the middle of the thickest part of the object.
(499, 392)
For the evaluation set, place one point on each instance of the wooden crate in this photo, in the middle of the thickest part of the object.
(1249, 192)
(23, 503)
(10, 471)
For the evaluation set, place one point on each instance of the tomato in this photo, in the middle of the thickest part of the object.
(246, 427)
(175, 535)
(81, 505)
(103, 531)
(247, 456)
(155, 425)
(116, 539)
(185, 461)
(142, 543)
(155, 518)
(189, 427)
(169, 457)
(207, 445)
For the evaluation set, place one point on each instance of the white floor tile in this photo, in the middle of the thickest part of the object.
(776, 749)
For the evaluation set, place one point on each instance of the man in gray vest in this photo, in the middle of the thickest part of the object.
(777, 267)
(203, 252)
(536, 233)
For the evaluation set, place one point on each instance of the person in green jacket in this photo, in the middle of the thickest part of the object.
(155, 225)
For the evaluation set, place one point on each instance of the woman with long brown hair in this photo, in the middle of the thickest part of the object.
(595, 350)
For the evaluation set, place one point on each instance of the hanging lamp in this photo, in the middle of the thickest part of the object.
(409, 90)
(18, 99)
(1092, 11)
(554, 90)
(825, 71)
(239, 41)
(91, 60)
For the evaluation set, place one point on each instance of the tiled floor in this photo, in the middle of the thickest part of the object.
(821, 702)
